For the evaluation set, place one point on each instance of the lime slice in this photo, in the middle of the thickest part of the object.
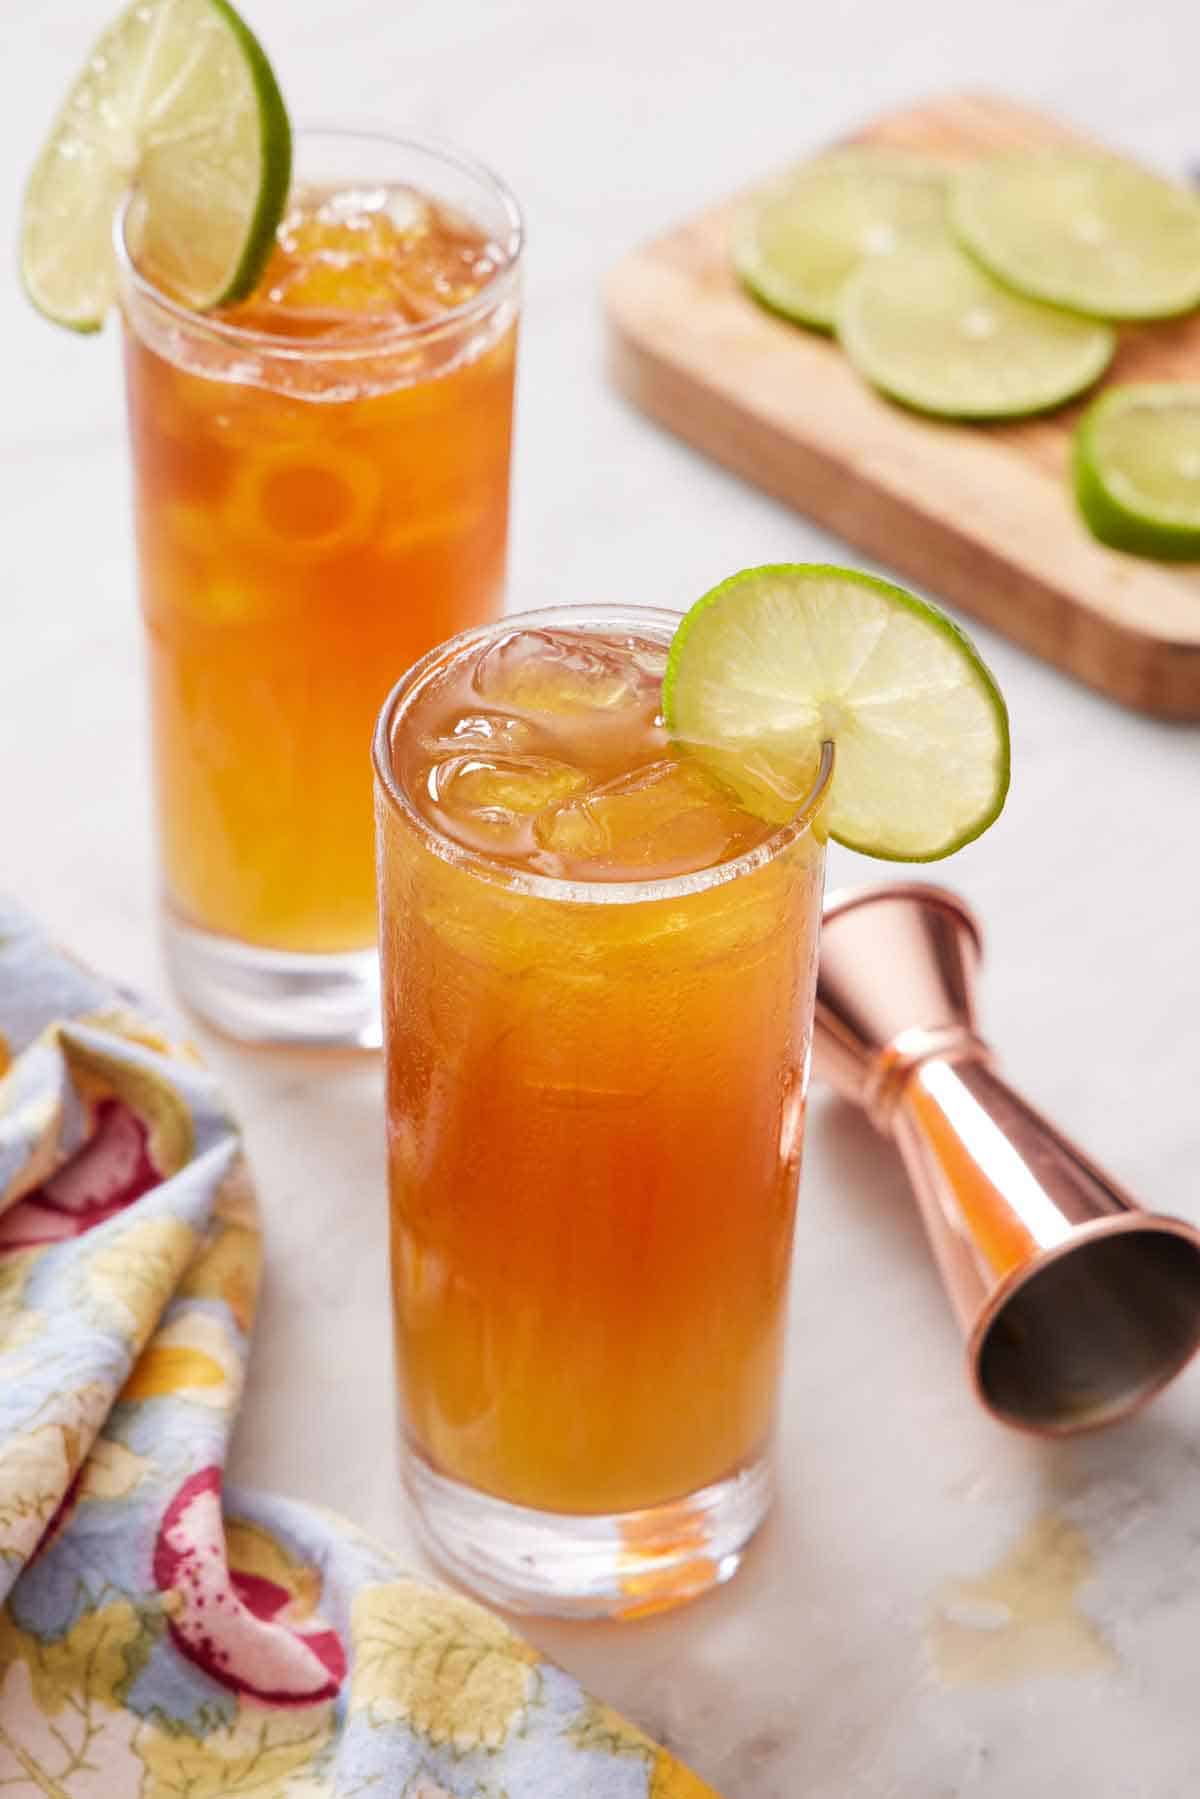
(1137, 469)
(178, 103)
(1085, 231)
(931, 329)
(798, 240)
(778, 660)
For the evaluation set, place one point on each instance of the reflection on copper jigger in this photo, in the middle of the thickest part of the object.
(1077, 1306)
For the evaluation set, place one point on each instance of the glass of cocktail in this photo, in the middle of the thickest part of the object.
(598, 975)
(321, 477)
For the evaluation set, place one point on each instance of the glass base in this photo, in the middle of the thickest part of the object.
(276, 996)
(565, 1565)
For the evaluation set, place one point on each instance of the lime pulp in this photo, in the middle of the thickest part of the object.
(779, 660)
(1092, 233)
(931, 329)
(178, 108)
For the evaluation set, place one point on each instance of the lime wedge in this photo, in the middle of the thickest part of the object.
(177, 103)
(778, 660)
(797, 241)
(1137, 469)
(1085, 231)
(931, 329)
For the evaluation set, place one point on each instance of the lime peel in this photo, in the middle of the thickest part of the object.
(1136, 469)
(777, 660)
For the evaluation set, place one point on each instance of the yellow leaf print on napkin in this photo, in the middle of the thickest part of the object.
(671, 1780)
(18, 1359)
(228, 1270)
(440, 1664)
(316, 1786)
(62, 1726)
(256, 1754)
(135, 1275)
(165, 1369)
(111, 1471)
(39, 1465)
(14, 1272)
(229, 1265)
(601, 1728)
(192, 1355)
(18, 1331)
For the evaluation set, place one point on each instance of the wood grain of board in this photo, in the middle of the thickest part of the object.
(981, 515)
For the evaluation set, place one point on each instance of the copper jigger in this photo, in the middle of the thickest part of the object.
(1077, 1306)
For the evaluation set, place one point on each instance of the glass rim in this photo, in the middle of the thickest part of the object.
(309, 350)
(554, 887)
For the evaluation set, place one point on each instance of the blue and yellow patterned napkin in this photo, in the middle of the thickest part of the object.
(162, 1638)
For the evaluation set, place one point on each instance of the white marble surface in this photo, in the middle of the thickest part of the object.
(816, 1673)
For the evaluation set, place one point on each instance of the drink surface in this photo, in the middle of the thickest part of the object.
(546, 750)
(314, 512)
(366, 259)
(595, 1107)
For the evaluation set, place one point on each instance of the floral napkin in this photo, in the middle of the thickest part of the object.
(162, 1637)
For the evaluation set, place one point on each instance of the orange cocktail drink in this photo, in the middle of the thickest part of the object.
(598, 976)
(321, 481)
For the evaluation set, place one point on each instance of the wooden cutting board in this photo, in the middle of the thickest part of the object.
(981, 515)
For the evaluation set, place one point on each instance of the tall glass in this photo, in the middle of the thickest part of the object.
(595, 1101)
(312, 513)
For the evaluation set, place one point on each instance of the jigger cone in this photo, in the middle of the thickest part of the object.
(1077, 1306)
